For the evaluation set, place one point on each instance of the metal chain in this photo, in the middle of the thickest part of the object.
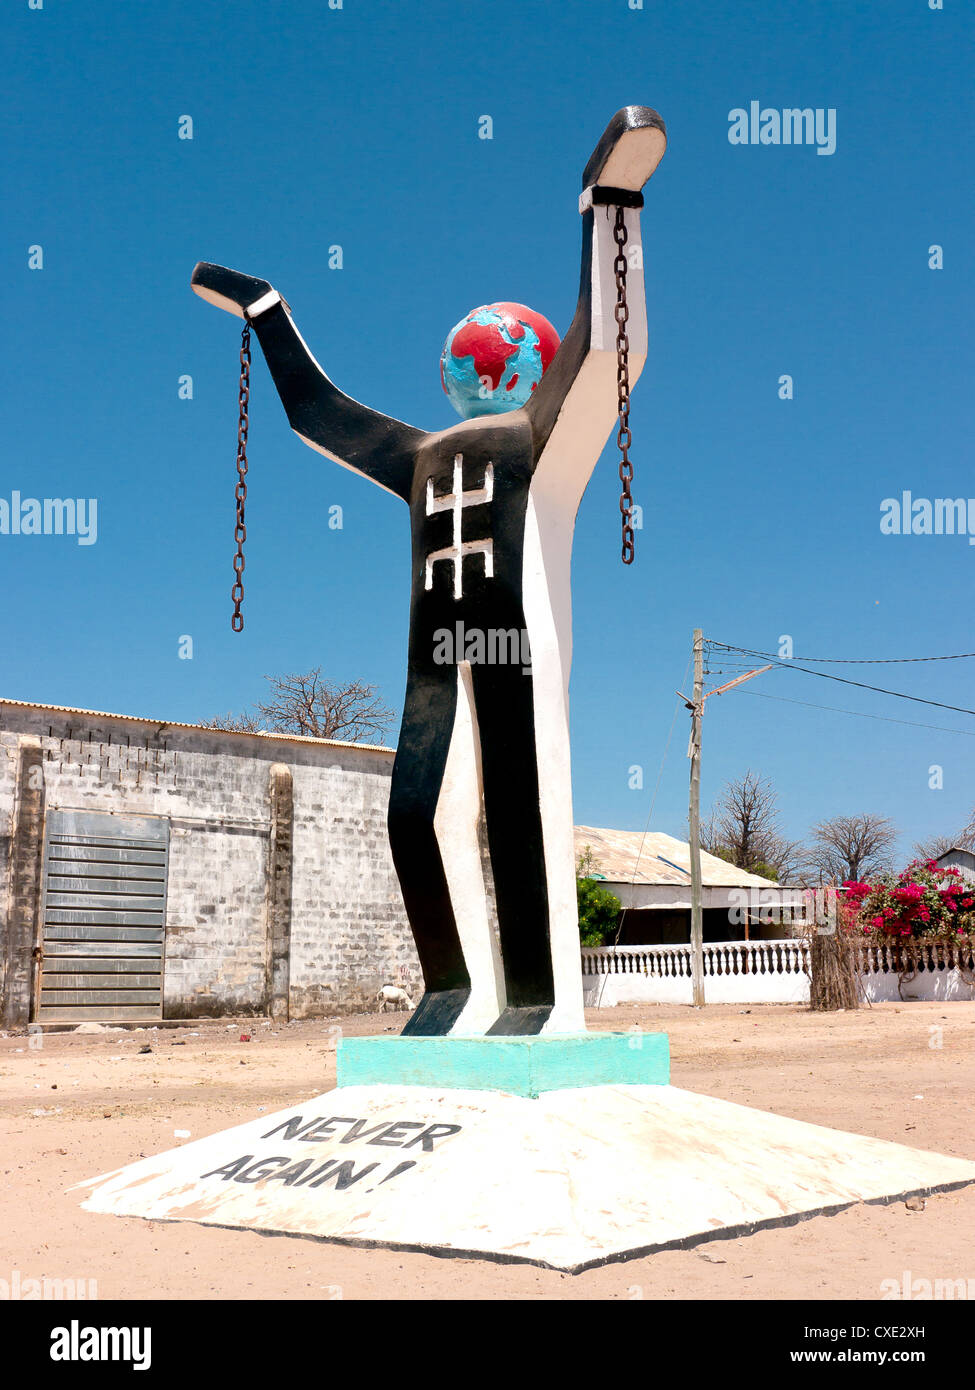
(623, 437)
(240, 491)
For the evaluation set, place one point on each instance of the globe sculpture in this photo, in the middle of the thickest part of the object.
(494, 358)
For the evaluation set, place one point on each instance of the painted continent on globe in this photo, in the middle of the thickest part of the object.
(494, 358)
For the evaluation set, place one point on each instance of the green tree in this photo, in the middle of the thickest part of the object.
(599, 909)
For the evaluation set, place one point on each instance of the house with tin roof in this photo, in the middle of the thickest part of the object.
(650, 873)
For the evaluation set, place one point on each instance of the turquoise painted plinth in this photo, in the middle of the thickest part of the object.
(517, 1066)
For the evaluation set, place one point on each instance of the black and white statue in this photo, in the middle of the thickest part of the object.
(493, 502)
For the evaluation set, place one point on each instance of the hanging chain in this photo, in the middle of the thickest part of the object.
(623, 437)
(240, 491)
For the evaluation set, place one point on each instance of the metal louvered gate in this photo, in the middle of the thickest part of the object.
(103, 917)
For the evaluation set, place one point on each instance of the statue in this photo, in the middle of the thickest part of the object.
(565, 1149)
(493, 502)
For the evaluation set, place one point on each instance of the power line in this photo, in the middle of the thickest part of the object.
(843, 680)
(849, 660)
(862, 714)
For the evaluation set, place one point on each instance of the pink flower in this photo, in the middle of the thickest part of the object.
(855, 889)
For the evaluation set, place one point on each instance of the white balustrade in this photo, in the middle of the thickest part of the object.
(773, 971)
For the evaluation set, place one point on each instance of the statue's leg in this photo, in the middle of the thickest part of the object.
(457, 823)
(505, 708)
(418, 772)
(548, 621)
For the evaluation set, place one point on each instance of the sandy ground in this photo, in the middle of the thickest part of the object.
(81, 1105)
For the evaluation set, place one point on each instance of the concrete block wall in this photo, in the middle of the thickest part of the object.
(216, 947)
(348, 933)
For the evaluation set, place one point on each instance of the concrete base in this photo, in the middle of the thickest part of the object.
(576, 1178)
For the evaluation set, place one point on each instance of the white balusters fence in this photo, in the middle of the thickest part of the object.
(941, 971)
(766, 972)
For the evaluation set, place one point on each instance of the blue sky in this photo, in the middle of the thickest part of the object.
(358, 127)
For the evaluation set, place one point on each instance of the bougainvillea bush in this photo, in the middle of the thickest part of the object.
(924, 903)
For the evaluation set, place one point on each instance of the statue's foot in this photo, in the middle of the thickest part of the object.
(477, 1015)
(565, 1020)
(522, 1022)
(436, 1013)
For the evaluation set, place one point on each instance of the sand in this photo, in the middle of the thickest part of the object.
(79, 1105)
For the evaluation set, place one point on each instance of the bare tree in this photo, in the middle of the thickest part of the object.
(743, 828)
(788, 858)
(710, 833)
(936, 845)
(306, 703)
(850, 847)
(933, 847)
(965, 839)
(238, 723)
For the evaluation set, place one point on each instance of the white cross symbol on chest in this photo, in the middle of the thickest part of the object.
(455, 502)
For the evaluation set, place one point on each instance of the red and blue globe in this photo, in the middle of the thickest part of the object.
(494, 358)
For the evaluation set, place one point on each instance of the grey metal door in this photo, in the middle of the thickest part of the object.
(104, 915)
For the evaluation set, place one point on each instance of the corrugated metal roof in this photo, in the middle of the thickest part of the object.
(176, 724)
(629, 856)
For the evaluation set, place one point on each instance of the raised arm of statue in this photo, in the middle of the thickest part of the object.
(351, 434)
(628, 152)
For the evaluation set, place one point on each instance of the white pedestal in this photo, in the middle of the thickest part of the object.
(573, 1179)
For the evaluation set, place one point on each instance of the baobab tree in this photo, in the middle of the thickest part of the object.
(307, 703)
(743, 828)
(852, 847)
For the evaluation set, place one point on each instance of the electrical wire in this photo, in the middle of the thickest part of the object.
(860, 685)
(861, 714)
(849, 660)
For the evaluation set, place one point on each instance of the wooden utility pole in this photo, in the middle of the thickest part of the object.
(696, 706)
(694, 820)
